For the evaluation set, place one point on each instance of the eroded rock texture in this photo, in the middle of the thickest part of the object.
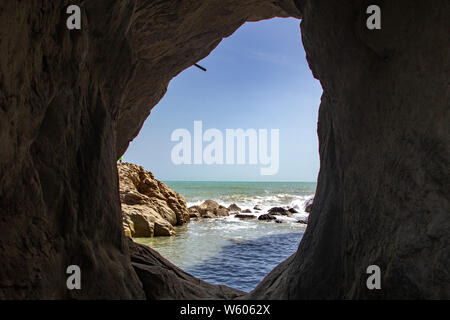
(70, 102)
(149, 207)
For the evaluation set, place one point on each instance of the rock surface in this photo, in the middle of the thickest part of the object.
(267, 216)
(234, 208)
(149, 207)
(209, 209)
(279, 211)
(71, 101)
(308, 205)
(245, 216)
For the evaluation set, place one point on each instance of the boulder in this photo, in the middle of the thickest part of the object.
(292, 210)
(246, 211)
(279, 211)
(257, 207)
(266, 217)
(234, 208)
(302, 221)
(211, 209)
(222, 212)
(194, 212)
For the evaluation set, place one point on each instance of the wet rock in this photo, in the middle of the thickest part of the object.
(267, 217)
(234, 208)
(278, 221)
(302, 221)
(292, 210)
(194, 212)
(222, 212)
(211, 209)
(245, 216)
(246, 211)
(257, 207)
(279, 211)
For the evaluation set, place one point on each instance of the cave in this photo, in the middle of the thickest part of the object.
(72, 100)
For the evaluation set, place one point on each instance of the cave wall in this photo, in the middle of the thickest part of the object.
(383, 188)
(71, 101)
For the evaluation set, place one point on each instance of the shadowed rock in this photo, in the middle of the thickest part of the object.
(234, 208)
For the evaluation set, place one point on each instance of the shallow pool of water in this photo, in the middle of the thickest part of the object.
(228, 250)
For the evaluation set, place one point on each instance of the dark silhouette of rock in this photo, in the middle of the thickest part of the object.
(292, 210)
(245, 216)
(246, 211)
(279, 211)
(257, 207)
(266, 216)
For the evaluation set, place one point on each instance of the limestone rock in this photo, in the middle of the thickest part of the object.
(149, 207)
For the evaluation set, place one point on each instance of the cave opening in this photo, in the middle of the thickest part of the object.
(209, 131)
(72, 100)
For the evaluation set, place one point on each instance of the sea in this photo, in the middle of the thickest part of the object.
(230, 251)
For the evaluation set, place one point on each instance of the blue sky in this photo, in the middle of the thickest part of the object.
(257, 78)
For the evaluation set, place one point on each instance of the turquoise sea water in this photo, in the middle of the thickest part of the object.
(230, 251)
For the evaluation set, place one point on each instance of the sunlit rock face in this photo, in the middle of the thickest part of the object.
(70, 102)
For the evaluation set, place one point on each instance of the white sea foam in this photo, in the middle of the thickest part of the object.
(265, 202)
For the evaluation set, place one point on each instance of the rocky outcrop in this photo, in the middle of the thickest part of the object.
(149, 207)
(71, 101)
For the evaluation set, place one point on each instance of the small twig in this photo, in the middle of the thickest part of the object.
(200, 67)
